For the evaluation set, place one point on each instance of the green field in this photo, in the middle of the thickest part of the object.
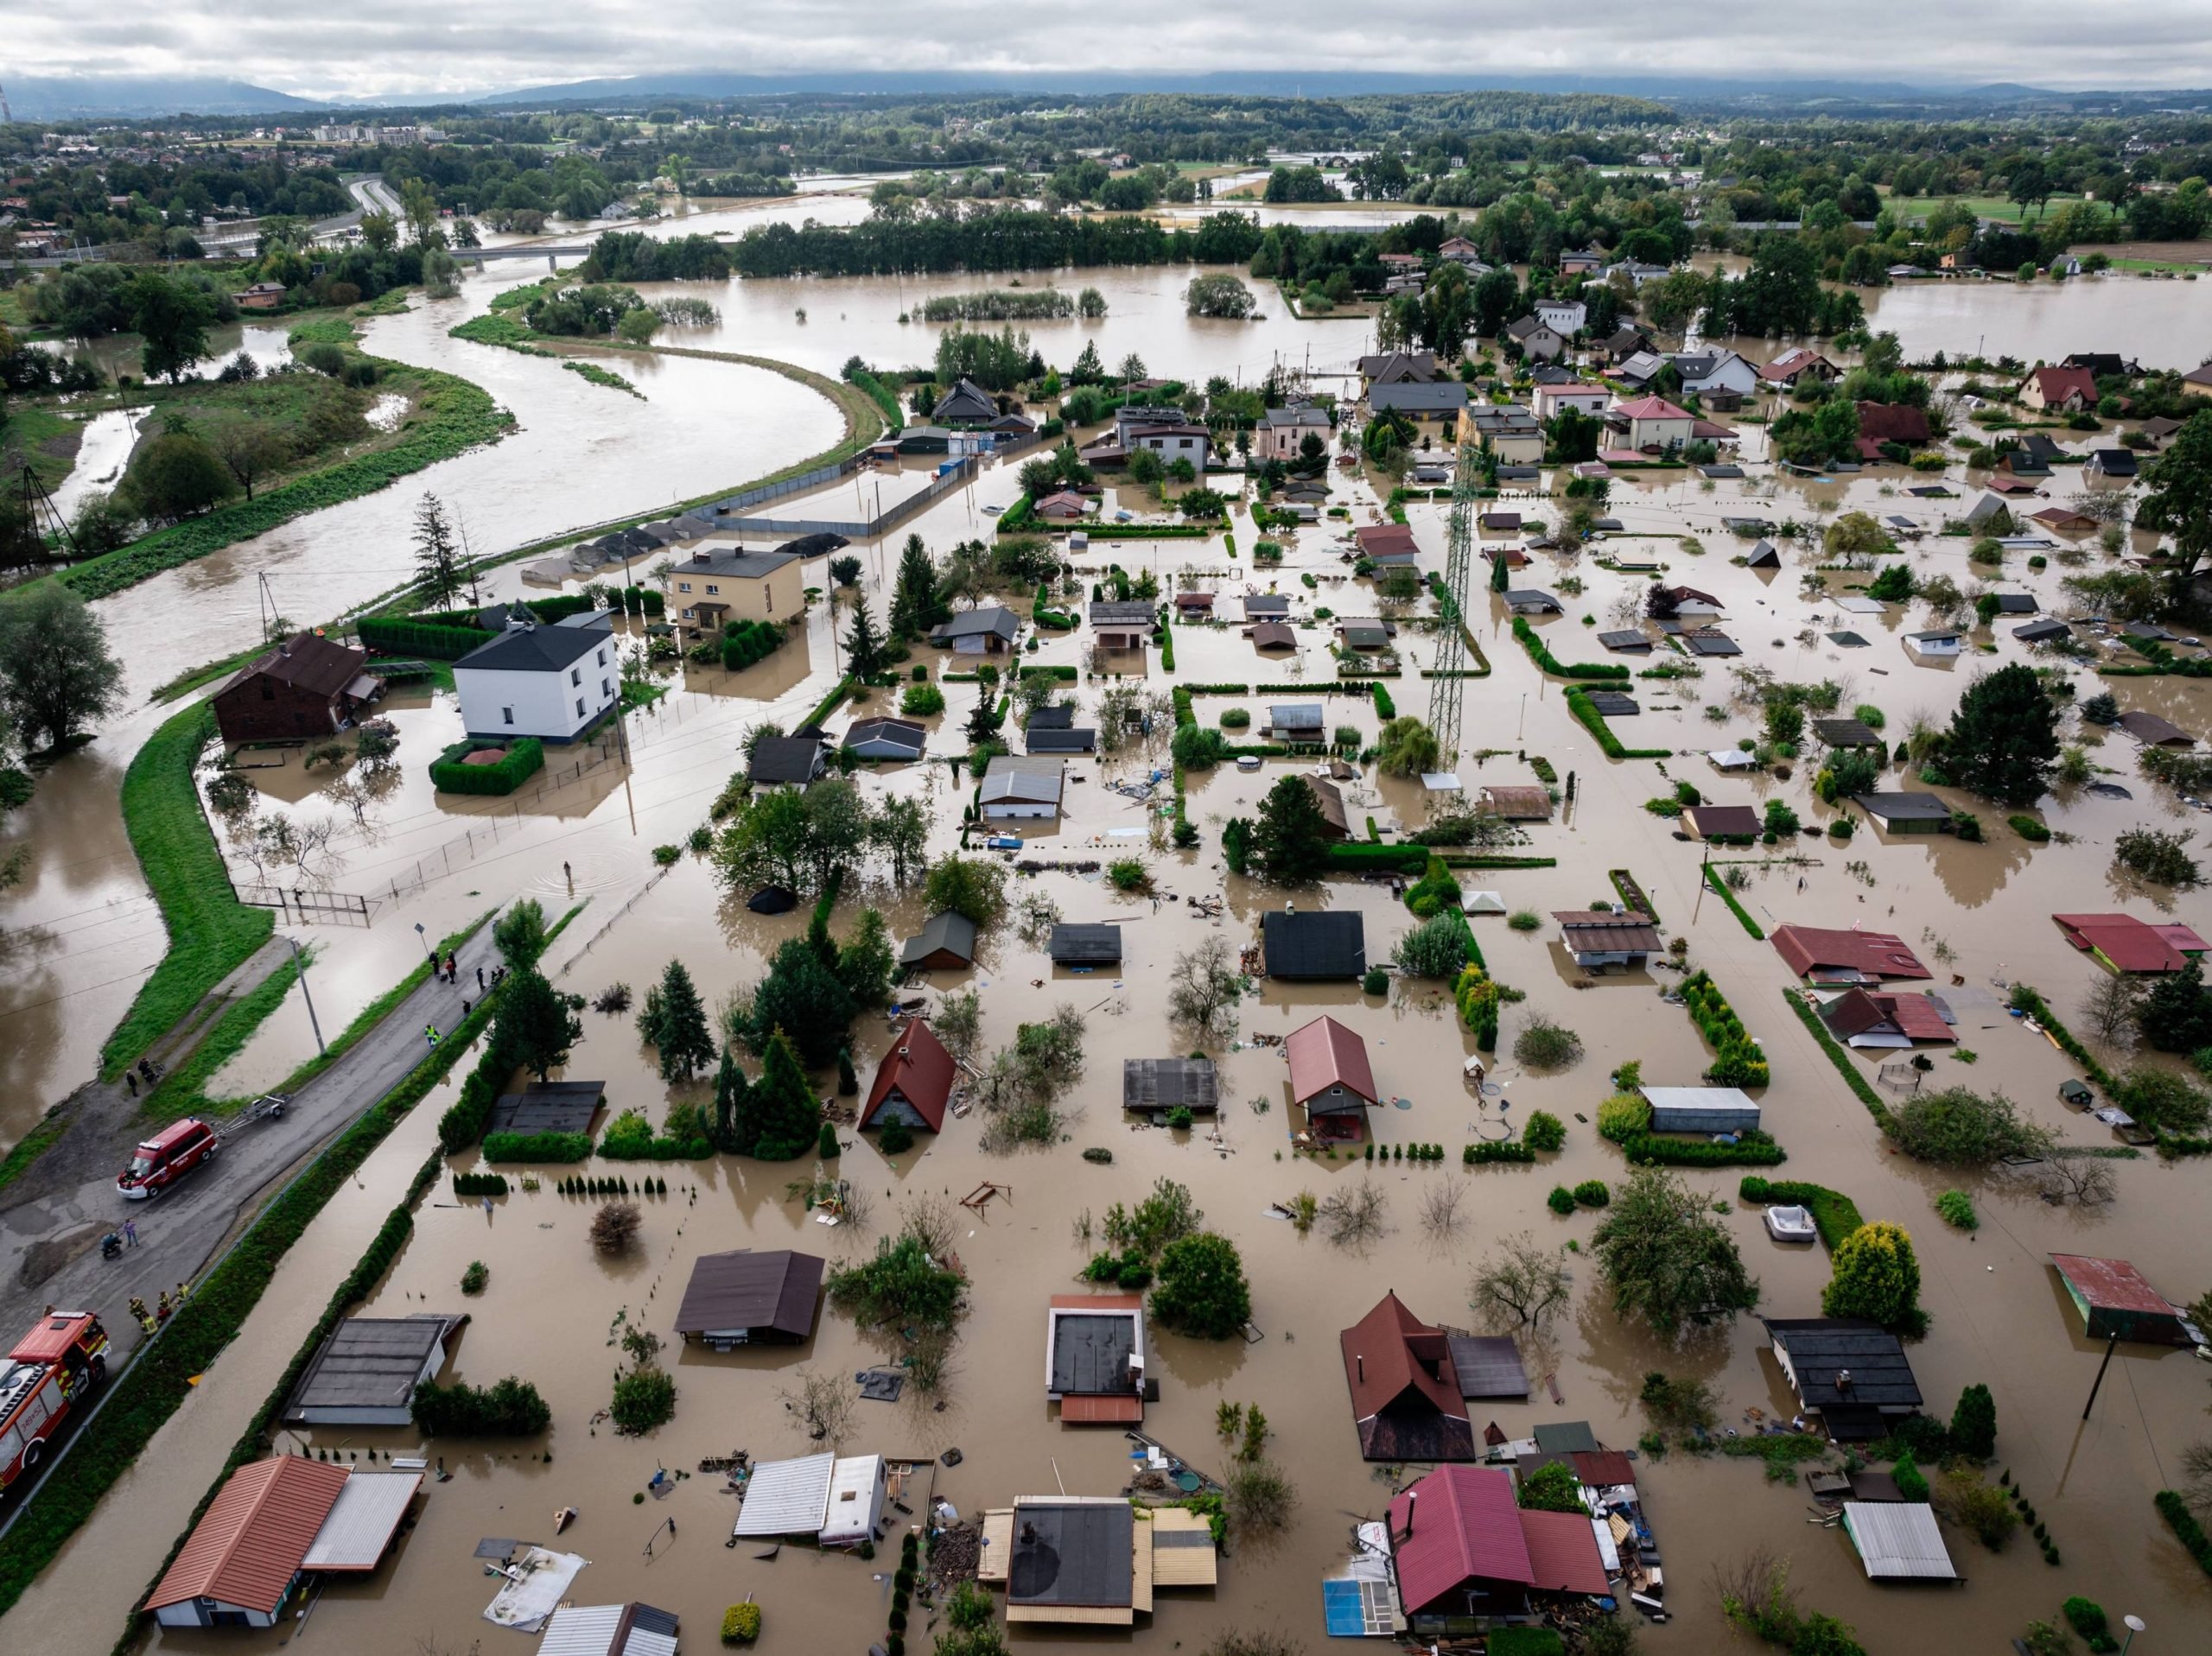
(26, 440)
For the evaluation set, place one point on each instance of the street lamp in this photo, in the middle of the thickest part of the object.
(2134, 1625)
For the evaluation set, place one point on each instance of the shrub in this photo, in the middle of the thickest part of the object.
(919, 701)
(1180, 1118)
(615, 1226)
(1593, 1193)
(524, 759)
(507, 1408)
(1377, 982)
(741, 1624)
(896, 1138)
(1544, 1131)
(1495, 1149)
(1202, 1288)
(536, 1146)
(1543, 1045)
(1436, 948)
(1877, 1277)
(479, 1185)
(1524, 920)
(1911, 1483)
(1561, 1200)
(1974, 1423)
(1236, 718)
(1962, 1497)
(1624, 1116)
(644, 1398)
(1957, 1208)
(473, 1278)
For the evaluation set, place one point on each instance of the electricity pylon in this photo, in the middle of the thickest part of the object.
(1447, 682)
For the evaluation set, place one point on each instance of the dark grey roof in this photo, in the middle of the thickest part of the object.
(896, 733)
(1315, 944)
(1418, 397)
(1073, 1553)
(369, 1362)
(550, 1107)
(970, 624)
(1567, 1438)
(1116, 613)
(1085, 945)
(1163, 1083)
(955, 932)
(1267, 604)
(1848, 732)
(734, 561)
(1821, 1348)
(543, 648)
(1624, 640)
(2016, 603)
(1724, 470)
(1904, 807)
(965, 401)
(774, 1289)
(1530, 597)
(2114, 462)
(1849, 641)
(1614, 704)
(1059, 716)
(2037, 631)
(1711, 644)
(1488, 1366)
(1090, 1352)
(1051, 739)
(785, 758)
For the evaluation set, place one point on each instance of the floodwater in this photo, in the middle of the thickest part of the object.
(1997, 1318)
(102, 453)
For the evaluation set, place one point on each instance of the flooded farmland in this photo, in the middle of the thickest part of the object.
(82, 931)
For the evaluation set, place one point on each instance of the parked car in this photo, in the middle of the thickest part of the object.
(166, 1158)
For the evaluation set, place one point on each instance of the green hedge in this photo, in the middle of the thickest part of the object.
(1062, 673)
(210, 933)
(1721, 887)
(1657, 1150)
(894, 416)
(1217, 689)
(2028, 1001)
(2186, 1529)
(749, 641)
(1355, 857)
(536, 1147)
(524, 759)
(1738, 1060)
(1835, 1213)
(1850, 1071)
(1484, 1151)
(1019, 518)
(1529, 640)
(452, 416)
(480, 1184)
(433, 640)
(1579, 704)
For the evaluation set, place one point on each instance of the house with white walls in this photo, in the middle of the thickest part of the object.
(553, 682)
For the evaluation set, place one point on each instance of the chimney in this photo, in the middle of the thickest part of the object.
(1413, 1498)
(1843, 1379)
(1362, 1362)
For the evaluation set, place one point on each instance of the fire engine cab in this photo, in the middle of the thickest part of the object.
(53, 1369)
(166, 1158)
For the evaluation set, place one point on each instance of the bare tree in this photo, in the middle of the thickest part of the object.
(1203, 984)
(312, 841)
(822, 1407)
(928, 1218)
(2086, 1180)
(1755, 1592)
(2196, 1477)
(2110, 1006)
(1355, 1216)
(1439, 1209)
(614, 1225)
(353, 796)
(1521, 1283)
(958, 1021)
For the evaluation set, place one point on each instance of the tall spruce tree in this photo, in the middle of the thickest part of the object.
(1290, 839)
(915, 606)
(680, 1030)
(781, 1111)
(864, 651)
(437, 558)
(730, 1089)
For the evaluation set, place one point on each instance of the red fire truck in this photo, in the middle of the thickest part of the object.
(53, 1369)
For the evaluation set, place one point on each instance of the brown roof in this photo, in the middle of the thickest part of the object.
(318, 665)
(1393, 1361)
(1520, 804)
(1330, 799)
(1598, 932)
(1892, 422)
(1274, 635)
(1715, 821)
(1602, 1467)
(775, 1288)
(1874, 954)
(920, 1068)
(1325, 1053)
(2111, 1285)
(2150, 728)
(1381, 539)
(247, 1547)
(2057, 384)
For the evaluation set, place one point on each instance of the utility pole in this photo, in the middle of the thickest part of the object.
(300, 966)
(2110, 1346)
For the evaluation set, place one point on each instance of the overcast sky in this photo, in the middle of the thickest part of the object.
(373, 47)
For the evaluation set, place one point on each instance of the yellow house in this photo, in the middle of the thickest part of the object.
(717, 585)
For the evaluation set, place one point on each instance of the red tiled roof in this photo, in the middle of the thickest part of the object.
(1464, 1524)
(1384, 1356)
(250, 1544)
(920, 1068)
(1601, 1468)
(1377, 539)
(1563, 1554)
(1915, 1018)
(2111, 1285)
(1325, 1053)
(1892, 422)
(2130, 944)
(2057, 384)
(1652, 408)
(1877, 953)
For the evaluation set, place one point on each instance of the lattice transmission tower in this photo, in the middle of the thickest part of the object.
(1447, 682)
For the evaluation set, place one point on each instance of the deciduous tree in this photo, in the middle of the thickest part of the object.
(1666, 1259)
(56, 675)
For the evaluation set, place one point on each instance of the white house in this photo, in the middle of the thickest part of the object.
(1563, 316)
(1706, 371)
(1592, 400)
(1941, 641)
(1017, 788)
(1654, 423)
(553, 682)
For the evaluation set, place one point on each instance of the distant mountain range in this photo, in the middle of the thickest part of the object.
(96, 97)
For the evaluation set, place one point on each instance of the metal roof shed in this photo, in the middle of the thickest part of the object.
(1700, 1109)
(857, 1487)
(365, 1516)
(2117, 1302)
(744, 1297)
(787, 1497)
(1898, 1540)
(1166, 1083)
(1075, 944)
(366, 1372)
(609, 1630)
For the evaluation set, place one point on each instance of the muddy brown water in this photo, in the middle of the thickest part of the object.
(1998, 1318)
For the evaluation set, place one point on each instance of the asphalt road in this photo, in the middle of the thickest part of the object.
(52, 1234)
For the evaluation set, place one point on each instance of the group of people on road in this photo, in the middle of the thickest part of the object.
(165, 1307)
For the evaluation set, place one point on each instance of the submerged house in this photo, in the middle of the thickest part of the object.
(1331, 1079)
(307, 688)
(1093, 1358)
(2120, 942)
(1700, 1109)
(1906, 813)
(946, 942)
(1830, 956)
(749, 1297)
(1851, 1374)
(1862, 1018)
(1314, 944)
(1154, 1084)
(913, 1083)
(1084, 1560)
(1406, 1398)
(1461, 1546)
(365, 1374)
(1085, 945)
(1599, 938)
(2116, 1302)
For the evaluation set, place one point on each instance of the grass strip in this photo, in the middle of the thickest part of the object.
(1579, 704)
(212, 934)
(1856, 1081)
(29, 1148)
(452, 416)
(1835, 1215)
(1721, 886)
(183, 1090)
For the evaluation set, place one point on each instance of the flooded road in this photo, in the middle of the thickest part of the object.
(549, 1313)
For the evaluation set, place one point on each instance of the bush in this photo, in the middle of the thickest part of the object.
(479, 1185)
(524, 759)
(1959, 1128)
(614, 1225)
(1911, 1483)
(741, 1624)
(1877, 1277)
(1180, 1118)
(644, 1398)
(920, 700)
(896, 1139)
(536, 1146)
(1737, 1061)
(1484, 1151)
(1435, 948)
(1543, 1131)
(1624, 1116)
(1377, 982)
(1543, 1045)
(1956, 1207)
(1593, 1193)
(1524, 920)
(474, 1280)
(507, 1408)
(1561, 1200)
(1236, 718)
(1202, 1288)
(746, 642)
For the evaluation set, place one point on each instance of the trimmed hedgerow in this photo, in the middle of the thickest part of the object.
(1579, 704)
(536, 1146)
(480, 1184)
(1835, 1215)
(1656, 1149)
(1526, 636)
(524, 758)
(1737, 1061)
(436, 641)
(1495, 1149)
(2186, 1529)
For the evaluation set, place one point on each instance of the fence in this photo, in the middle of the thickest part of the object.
(961, 472)
(308, 908)
(565, 770)
(1898, 1078)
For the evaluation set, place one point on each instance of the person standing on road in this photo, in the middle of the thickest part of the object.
(479, 980)
(430, 1034)
(130, 1232)
(130, 1080)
